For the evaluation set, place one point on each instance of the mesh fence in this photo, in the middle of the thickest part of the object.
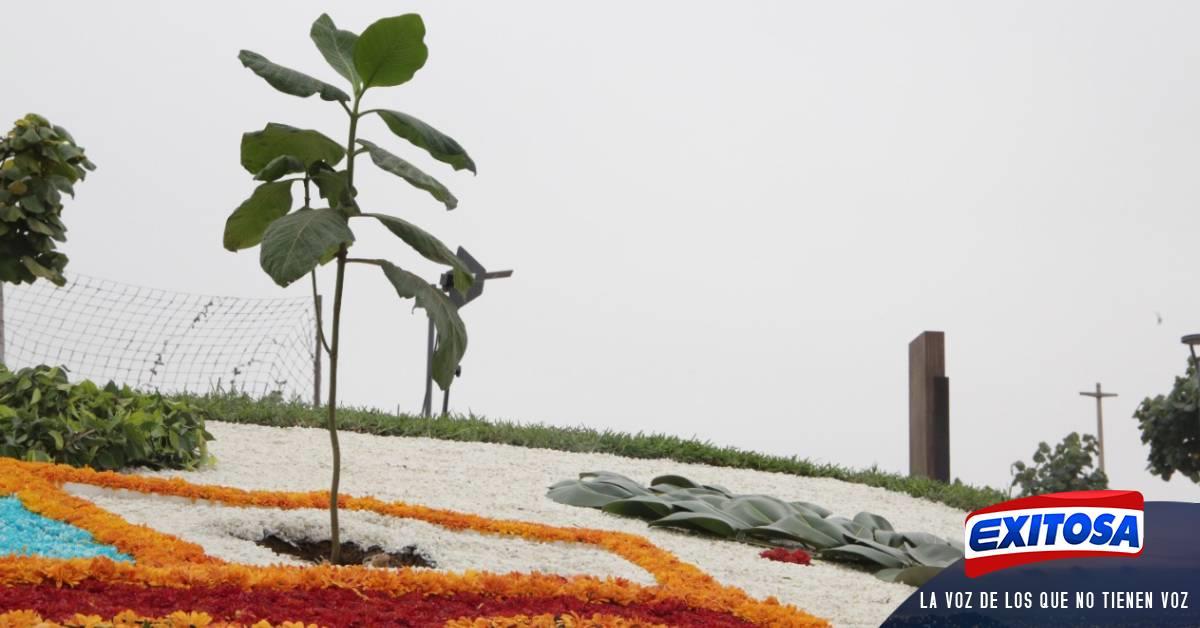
(160, 340)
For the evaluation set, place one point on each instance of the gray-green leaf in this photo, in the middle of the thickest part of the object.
(390, 51)
(429, 247)
(440, 146)
(260, 148)
(290, 81)
(245, 226)
(410, 173)
(294, 244)
(452, 334)
(337, 46)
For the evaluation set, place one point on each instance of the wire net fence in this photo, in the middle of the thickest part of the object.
(161, 340)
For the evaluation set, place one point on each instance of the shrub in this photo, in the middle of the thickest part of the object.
(39, 162)
(45, 418)
(1171, 426)
(1068, 468)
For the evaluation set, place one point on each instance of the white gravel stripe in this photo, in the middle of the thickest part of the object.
(507, 482)
(229, 533)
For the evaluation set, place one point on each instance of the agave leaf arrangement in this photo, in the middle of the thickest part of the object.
(674, 501)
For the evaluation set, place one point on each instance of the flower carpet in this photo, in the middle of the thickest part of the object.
(67, 562)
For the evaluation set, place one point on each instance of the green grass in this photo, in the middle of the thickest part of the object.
(239, 409)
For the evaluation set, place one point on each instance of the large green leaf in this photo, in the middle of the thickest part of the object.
(719, 523)
(826, 527)
(294, 245)
(278, 167)
(410, 173)
(935, 555)
(677, 481)
(818, 510)
(245, 226)
(390, 51)
(337, 46)
(912, 576)
(290, 81)
(334, 186)
(795, 528)
(758, 510)
(872, 521)
(440, 146)
(615, 479)
(640, 506)
(431, 249)
(452, 334)
(868, 554)
(261, 148)
(575, 493)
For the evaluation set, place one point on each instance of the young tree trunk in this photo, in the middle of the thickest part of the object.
(334, 537)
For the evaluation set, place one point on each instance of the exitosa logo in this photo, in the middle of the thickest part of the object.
(1058, 525)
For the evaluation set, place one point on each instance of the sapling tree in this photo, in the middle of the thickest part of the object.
(1170, 425)
(39, 162)
(294, 243)
(1069, 466)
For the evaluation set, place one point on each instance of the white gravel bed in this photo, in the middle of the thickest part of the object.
(230, 532)
(508, 482)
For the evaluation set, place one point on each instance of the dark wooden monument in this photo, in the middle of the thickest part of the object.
(928, 407)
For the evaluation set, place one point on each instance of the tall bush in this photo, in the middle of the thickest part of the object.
(39, 162)
(1068, 467)
(292, 244)
(1170, 425)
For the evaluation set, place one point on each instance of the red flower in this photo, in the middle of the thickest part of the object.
(800, 557)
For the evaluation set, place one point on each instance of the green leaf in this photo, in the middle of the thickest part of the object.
(294, 244)
(757, 510)
(795, 528)
(390, 51)
(39, 270)
(615, 479)
(575, 493)
(428, 246)
(245, 226)
(260, 148)
(674, 480)
(640, 506)
(720, 524)
(872, 521)
(864, 553)
(410, 173)
(337, 46)
(278, 167)
(333, 186)
(440, 146)
(290, 81)
(935, 555)
(452, 334)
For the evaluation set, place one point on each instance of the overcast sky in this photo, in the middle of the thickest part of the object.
(727, 220)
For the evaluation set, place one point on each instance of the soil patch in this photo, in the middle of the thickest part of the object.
(352, 553)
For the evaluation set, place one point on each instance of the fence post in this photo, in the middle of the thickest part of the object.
(317, 354)
(928, 407)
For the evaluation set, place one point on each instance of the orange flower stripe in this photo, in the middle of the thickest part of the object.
(165, 561)
(129, 619)
(599, 620)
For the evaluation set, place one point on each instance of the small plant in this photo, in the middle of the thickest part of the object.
(1170, 425)
(39, 162)
(293, 244)
(1068, 468)
(782, 555)
(673, 501)
(45, 418)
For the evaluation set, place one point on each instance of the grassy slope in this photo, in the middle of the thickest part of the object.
(581, 439)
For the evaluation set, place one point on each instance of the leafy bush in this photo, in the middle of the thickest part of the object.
(1068, 468)
(45, 418)
(676, 502)
(1171, 426)
(39, 162)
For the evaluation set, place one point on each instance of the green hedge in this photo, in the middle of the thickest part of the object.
(46, 418)
(274, 412)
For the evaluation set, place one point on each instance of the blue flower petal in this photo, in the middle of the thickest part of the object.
(28, 534)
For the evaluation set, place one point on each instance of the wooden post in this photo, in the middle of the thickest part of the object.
(1100, 396)
(928, 407)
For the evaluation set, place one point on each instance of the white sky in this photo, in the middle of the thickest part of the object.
(726, 220)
